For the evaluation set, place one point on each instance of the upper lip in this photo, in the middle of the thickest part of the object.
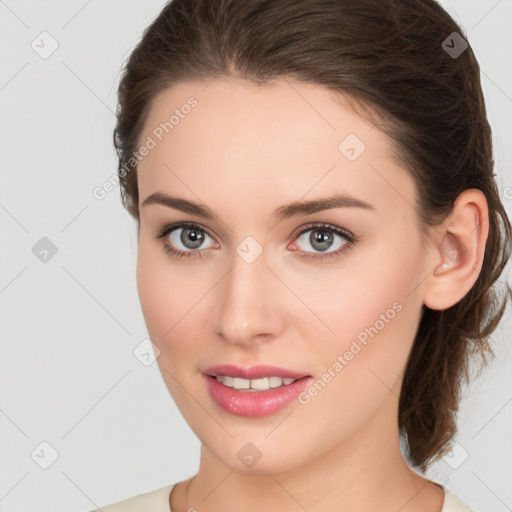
(253, 372)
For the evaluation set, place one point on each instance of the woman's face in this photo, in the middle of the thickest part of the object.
(254, 291)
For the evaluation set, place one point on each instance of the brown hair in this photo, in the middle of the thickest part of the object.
(388, 59)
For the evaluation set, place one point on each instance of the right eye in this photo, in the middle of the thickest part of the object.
(187, 234)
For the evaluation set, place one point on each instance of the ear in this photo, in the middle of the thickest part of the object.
(457, 251)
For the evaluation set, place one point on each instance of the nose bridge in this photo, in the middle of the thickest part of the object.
(247, 297)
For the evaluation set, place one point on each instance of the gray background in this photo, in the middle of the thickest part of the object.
(70, 325)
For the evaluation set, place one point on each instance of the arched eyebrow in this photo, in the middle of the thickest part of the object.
(318, 205)
(283, 212)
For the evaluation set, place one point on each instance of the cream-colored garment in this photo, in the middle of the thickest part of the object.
(158, 501)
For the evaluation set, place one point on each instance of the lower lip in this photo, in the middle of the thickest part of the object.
(254, 403)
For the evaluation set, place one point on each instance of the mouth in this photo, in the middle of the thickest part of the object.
(254, 391)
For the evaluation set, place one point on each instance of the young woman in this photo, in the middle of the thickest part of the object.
(320, 235)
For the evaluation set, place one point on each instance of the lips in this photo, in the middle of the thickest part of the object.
(253, 372)
(257, 403)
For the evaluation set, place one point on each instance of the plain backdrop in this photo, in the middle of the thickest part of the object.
(83, 422)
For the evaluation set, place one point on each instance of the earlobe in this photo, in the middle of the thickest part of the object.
(459, 254)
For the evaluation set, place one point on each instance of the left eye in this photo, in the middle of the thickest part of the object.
(322, 238)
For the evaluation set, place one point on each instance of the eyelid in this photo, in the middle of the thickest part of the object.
(319, 225)
(167, 228)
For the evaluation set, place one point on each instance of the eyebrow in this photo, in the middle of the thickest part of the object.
(283, 212)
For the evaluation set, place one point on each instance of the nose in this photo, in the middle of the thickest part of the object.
(247, 302)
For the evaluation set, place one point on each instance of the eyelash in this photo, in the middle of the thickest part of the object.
(350, 238)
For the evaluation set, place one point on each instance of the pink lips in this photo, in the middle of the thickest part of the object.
(253, 403)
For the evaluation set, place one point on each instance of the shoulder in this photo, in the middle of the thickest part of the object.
(452, 503)
(156, 501)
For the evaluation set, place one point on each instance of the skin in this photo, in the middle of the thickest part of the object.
(243, 151)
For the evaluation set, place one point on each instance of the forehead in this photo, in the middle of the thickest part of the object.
(283, 140)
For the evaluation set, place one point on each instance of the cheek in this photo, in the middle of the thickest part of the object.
(345, 303)
(162, 307)
(151, 283)
(160, 293)
(171, 306)
(369, 317)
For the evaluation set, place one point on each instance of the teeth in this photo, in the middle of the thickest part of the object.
(262, 384)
